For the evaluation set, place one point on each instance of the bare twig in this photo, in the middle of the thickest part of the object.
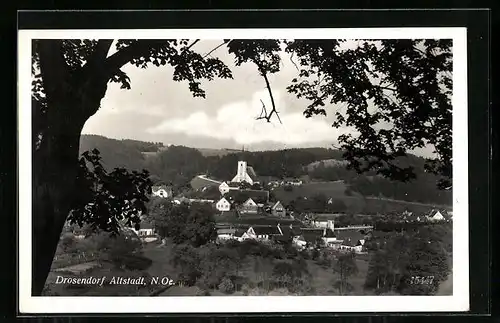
(263, 112)
(291, 60)
(387, 88)
(215, 48)
(192, 44)
(268, 116)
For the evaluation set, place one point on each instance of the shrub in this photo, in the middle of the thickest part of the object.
(133, 262)
(226, 286)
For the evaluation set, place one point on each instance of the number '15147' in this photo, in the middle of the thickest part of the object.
(421, 280)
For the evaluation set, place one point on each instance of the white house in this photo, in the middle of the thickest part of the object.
(435, 216)
(146, 232)
(278, 209)
(324, 223)
(242, 174)
(249, 206)
(329, 236)
(350, 240)
(223, 205)
(299, 241)
(261, 233)
(161, 191)
(226, 234)
(226, 187)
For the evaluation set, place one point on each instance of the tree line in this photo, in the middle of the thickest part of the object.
(177, 165)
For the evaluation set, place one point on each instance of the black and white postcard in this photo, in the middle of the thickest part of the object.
(243, 170)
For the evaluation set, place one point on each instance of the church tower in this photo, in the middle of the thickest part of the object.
(241, 174)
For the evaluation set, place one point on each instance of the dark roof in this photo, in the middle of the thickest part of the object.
(330, 234)
(251, 172)
(232, 184)
(239, 232)
(226, 231)
(324, 216)
(312, 235)
(275, 205)
(230, 213)
(349, 237)
(269, 230)
(294, 231)
(241, 196)
(146, 225)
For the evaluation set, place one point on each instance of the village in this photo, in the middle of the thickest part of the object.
(244, 197)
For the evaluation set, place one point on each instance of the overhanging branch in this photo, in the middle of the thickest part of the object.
(100, 52)
(217, 47)
(125, 55)
(273, 110)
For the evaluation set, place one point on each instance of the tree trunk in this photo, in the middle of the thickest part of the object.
(54, 174)
(71, 98)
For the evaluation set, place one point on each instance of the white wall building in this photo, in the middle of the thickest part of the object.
(242, 174)
(437, 216)
(223, 205)
(226, 187)
(161, 191)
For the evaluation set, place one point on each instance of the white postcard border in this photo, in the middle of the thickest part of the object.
(459, 301)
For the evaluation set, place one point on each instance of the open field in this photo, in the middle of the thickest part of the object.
(355, 203)
(259, 220)
(199, 182)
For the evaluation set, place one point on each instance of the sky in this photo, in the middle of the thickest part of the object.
(158, 109)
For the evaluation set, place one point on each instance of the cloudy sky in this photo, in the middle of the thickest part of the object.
(159, 109)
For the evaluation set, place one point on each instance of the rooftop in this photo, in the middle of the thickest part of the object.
(349, 237)
(241, 196)
(266, 230)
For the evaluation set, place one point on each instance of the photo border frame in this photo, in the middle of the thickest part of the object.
(478, 146)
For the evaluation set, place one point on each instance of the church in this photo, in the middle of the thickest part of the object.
(244, 173)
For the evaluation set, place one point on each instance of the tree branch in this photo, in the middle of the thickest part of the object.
(217, 47)
(291, 60)
(268, 117)
(192, 44)
(125, 55)
(100, 52)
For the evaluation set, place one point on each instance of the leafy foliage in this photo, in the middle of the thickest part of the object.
(187, 262)
(408, 84)
(108, 200)
(418, 253)
(345, 266)
(193, 224)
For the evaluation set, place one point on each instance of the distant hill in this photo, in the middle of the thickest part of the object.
(115, 153)
(326, 163)
(207, 152)
(180, 165)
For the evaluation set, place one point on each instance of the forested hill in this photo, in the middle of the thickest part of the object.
(179, 164)
(125, 153)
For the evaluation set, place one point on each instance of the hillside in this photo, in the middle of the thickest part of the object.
(116, 153)
(181, 165)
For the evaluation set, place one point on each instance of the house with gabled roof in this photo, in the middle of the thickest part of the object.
(262, 233)
(350, 240)
(161, 191)
(278, 209)
(226, 233)
(225, 187)
(260, 197)
(249, 207)
(435, 216)
(223, 205)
